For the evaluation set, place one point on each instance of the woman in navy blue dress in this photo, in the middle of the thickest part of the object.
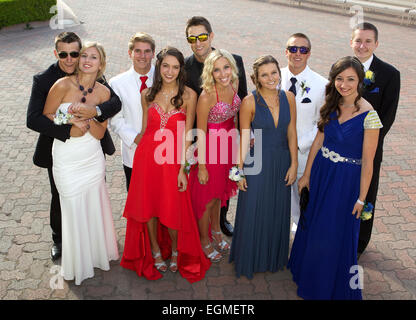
(338, 172)
(261, 232)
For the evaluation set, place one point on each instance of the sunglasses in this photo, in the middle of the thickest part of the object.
(63, 54)
(294, 49)
(202, 38)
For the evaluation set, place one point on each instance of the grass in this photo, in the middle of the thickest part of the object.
(24, 11)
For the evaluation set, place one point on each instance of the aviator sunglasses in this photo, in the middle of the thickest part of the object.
(63, 54)
(202, 37)
(294, 49)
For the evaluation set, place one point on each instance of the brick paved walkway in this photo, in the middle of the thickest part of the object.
(249, 28)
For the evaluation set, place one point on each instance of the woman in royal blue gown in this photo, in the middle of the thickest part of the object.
(338, 172)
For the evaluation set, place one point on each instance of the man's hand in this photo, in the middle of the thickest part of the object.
(82, 111)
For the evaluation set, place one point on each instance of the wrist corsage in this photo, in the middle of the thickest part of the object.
(191, 159)
(367, 211)
(236, 174)
(62, 118)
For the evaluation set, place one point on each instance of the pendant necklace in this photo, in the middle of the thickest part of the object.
(168, 97)
(84, 92)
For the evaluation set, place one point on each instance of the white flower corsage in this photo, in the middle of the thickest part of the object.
(62, 118)
(304, 87)
(236, 174)
(190, 157)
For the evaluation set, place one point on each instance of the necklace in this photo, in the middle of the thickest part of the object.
(84, 92)
(274, 98)
(168, 96)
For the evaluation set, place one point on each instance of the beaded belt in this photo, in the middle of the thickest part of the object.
(335, 157)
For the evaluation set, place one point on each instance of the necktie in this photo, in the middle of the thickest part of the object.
(143, 80)
(293, 87)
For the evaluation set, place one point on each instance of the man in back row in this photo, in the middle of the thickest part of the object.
(382, 90)
(128, 85)
(199, 36)
(309, 90)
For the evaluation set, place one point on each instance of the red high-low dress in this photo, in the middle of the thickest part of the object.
(154, 192)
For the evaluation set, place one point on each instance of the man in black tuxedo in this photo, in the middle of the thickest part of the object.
(67, 47)
(382, 91)
(199, 35)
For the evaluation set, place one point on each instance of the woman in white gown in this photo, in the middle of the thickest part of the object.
(88, 235)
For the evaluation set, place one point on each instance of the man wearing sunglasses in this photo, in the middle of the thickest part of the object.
(309, 90)
(67, 47)
(199, 36)
(382, 90)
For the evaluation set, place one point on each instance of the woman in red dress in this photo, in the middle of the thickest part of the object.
(160, 220)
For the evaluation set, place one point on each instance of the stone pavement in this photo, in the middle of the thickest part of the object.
(249, 28)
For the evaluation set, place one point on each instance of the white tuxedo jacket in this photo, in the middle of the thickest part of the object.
(128, 122)
(307, 113)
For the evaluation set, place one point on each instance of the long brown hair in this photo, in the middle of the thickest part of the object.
(177, 100)
(332, 96)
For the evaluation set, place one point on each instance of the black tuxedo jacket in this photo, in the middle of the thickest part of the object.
(383, 95)
(194, 70)
(42, 82)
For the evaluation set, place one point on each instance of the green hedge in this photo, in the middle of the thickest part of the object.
(24, 11)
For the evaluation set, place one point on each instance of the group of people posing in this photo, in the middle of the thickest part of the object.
(191, 137)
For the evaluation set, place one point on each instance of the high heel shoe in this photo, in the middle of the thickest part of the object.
(173, 266)
(223, 246)
(160, 266)
(214, 256)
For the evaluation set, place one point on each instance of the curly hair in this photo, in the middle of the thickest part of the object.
(207, 79)
(177, 100)
(332, 96)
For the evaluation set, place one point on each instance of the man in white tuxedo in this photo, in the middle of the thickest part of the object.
(309, 90)
(127, 124)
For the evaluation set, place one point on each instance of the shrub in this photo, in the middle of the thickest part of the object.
(24, 11)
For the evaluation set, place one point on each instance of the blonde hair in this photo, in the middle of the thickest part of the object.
(207, 79)
(142, 37)
(100, 49)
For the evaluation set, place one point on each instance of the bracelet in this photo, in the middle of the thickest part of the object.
(360, 202)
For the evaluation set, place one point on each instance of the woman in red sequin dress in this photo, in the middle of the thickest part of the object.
(160, 220)
(210, 186)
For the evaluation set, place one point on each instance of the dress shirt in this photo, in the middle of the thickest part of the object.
(127, 124)
(367, 64)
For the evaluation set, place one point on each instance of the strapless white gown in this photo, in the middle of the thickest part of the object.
(88, 237)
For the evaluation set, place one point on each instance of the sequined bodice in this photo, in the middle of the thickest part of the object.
(223, 111)
(165, 116)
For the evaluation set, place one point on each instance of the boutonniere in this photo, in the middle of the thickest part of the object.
(367, 211)
(304, 87)
(369, 78)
